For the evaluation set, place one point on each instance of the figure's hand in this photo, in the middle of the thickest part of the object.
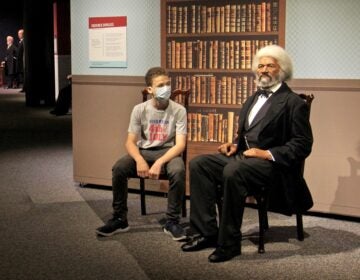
(155, 170)
(142, 169)
(257, 153)
(227, 149)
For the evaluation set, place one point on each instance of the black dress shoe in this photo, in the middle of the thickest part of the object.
(223, 254)
(198, 243)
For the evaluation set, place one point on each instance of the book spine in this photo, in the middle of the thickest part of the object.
(198, 19)
(227, 18)
(212, 90)
(238, 90)
(233, 90)
(185, 20)
(168, 54)
(217, 19)
(179, 20)
(232, 18)
(198, 137)
(194, 127)
(220, 126)
(222, 19)
(173, 54)
(211, 127)
(231, 54)
(223, 90)
(168, 19)
(215, 54)
(228, 90)
(218, 91)
(183, 51)
(189, 54)
(203, 19)
(244, 92)
(193, 19)
(230, 128)
(275, 15)
(208, 19)
(173, 19)
(189, 129)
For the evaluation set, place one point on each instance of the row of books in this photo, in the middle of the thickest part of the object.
(213, 54)
(211, 89)
(246, 17)
(212, 127)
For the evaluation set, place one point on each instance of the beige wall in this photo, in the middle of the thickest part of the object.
(333, 168)
(101, 111)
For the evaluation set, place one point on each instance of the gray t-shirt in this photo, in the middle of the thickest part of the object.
(157, 128)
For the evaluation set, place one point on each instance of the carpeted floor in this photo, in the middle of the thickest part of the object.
(48, 222)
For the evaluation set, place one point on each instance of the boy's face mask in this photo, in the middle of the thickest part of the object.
(163, 93)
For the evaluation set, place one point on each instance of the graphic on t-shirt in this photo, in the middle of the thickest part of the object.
(158, 130)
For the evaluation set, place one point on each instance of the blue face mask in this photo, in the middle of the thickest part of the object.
(163, 93)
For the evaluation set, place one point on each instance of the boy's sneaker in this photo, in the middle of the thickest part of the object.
(113, 226)
(176, 231)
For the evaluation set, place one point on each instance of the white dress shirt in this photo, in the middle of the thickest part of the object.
(260, 102)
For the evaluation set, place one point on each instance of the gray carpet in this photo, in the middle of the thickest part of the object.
(48, 222)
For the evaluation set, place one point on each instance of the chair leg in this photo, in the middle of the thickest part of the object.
(263, 223)
(266, 221)
(261, 213)
(299, 227)
(142, 196)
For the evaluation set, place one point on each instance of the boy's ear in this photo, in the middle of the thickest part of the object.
(150, 90)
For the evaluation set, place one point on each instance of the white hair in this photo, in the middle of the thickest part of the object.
(282, 58)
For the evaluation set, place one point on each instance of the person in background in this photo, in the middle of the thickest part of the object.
(156, 138)
(20, 61)
(10, 62)
(274, 137)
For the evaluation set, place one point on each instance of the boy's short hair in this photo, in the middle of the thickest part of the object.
(152, 73)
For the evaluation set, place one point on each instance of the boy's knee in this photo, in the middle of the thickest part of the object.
(177, 170)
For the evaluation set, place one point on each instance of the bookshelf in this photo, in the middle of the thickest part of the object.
(207, 46)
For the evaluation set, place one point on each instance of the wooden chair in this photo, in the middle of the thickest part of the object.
(180, 96)
(262, 200)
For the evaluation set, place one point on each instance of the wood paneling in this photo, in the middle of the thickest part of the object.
(101, 111)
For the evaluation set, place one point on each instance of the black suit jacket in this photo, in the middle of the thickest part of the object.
(285, 130)
(10, 60)
(20, 57)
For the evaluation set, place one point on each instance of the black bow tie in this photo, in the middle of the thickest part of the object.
(264, 92)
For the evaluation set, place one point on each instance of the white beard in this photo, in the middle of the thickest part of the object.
(267, 81)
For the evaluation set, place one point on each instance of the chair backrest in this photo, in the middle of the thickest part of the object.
(177, 95)
(308, 99)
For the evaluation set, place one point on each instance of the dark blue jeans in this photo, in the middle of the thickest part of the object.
(125, 168)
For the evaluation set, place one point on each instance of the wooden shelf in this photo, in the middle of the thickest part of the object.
(224, 79)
